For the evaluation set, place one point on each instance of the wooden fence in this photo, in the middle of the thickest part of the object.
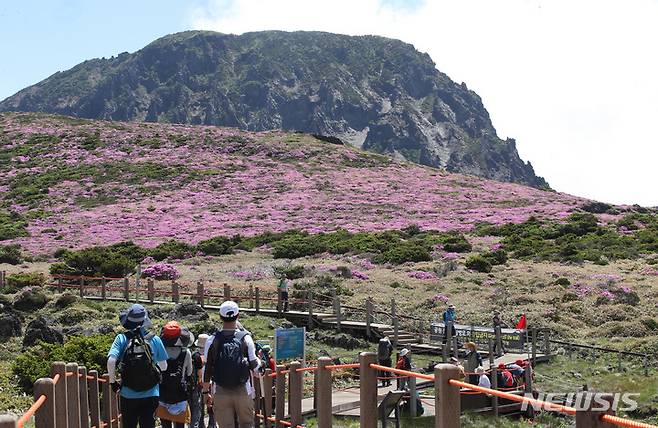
(70, 398)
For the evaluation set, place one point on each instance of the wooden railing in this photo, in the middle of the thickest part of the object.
(70, 398)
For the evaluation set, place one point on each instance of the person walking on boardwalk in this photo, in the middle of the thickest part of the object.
(284, 285)
(404, 363)
(472, 360)
(141, 357)
(384, 352)
(231, 362)
(175, 385)
(498, 325)
(449, 318)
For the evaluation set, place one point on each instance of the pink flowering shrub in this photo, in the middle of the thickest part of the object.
(360, 275)
(161, 271)
(248, 275)
(421, 274)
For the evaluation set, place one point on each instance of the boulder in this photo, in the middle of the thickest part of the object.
(188, 312)
(341, 340)
(11, 323)
(39, 329)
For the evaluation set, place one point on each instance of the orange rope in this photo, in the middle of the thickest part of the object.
(282, 422)
(307, 369)
(627, 423)
(402, 372)
(342, 366)
(517, 398)
(31, 411)
(56, 379)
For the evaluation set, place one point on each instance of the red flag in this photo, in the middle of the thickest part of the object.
(521, 325)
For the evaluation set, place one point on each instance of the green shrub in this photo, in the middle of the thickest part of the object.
(12, 225)
(65, 300)
(172, 250)
(216, 246)
(96, 261)
(33, 364)
(292, 272)
(563, 281)
(404, 252)
(299, 246)
(11, 254)
(498, 257)
(478, 263)
(61, 268)
(16, 281)
(30, 299)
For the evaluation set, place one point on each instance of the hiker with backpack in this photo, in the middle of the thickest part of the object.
(384, 352)
(283, 287)
(141, 357)
(175, 386)
(230, 363)
(196, 401)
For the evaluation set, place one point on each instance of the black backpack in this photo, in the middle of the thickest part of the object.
(138, 370)
(174, 387)
(231, 365)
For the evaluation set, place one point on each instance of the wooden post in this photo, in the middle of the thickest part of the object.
(494, 385)
(279, 394)
(82, 286)
(492, 357)
(138, 278)
(530, 413)
(309, 297)
(73, 395)
(455, 347)
(103, 288)
(534, 346)
(45, 416)
(227, 292)
(126, 289)
(448, 336)
(593, 410)
(257, 300)
(447, 400)
(412, 397)
(499, 341)
(61, 402)
(84, 397)
(199, 293)
(323, 406)
(368, 318)
(295, 404)
(175, 291)
(368, 391)
(60, 285)
(2, 278)
(150, 290)
(107, 401)
(115, 409)
(7, 421)
(267, 397)
(645, 363)
(396, 330)
(278, 300)
(394, 312)
(547, 343)
(94, 400)
(444, 352)
(619, 361)
(251, 296)
(339, 314)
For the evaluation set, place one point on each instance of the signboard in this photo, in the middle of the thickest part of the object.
(290, 344)
(511, 338)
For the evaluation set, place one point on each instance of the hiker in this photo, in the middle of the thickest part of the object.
(404, 363)
(483, 379)
(384, 352)
(284, 285)
(473, 360)
(265, 355)
(455, 361)
(230, 363)
(449, 319)
(517, 368)
(505, 378)
(142, 357)
(175, 386)
(498, 325)
(197, 407)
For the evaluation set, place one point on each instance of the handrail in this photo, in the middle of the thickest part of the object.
(598, 348)
(31, 411)
(402, 372)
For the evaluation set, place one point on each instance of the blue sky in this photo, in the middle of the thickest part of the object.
(40, 37)
(572, 81)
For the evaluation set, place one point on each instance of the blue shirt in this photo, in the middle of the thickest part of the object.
(449, 316)
(159, 354)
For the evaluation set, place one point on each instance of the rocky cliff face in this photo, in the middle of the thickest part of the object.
(375, 93)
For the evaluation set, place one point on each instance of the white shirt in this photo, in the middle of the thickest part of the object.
(484, 381)
(251, 354)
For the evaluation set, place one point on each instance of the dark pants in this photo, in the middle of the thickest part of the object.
(167, 424)
(284, 298)
(386, 376)
(445, 334)
(140, 411)
(473, 379)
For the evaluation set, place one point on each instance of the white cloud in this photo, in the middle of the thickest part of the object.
(573, 82)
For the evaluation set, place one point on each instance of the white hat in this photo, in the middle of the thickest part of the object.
(201, 341)
(479, 370)
(229, 309)
(404, 352)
